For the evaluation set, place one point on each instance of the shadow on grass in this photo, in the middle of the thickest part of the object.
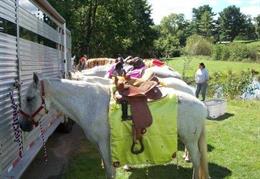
(216, 171)
(223, 117)
(171, 171)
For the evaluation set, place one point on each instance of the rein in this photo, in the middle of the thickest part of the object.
(42, 106)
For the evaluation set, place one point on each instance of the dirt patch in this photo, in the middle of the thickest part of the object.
(60, 147)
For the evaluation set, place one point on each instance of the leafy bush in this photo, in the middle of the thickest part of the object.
(217, 52)
(254, 51)
(168, 46)
(225, 53)
(232, 84)
(237, 52)
(198, 45)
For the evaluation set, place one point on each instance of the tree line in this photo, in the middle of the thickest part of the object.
(112, 27)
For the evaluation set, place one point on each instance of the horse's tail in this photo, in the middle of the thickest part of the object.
(203, 171)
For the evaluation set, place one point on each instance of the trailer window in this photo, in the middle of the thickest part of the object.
(29, 35)
(7, 27)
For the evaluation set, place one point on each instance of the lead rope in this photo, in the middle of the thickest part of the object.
(45, 155)
(15, 124)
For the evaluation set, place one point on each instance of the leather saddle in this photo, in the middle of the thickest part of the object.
(137, 98)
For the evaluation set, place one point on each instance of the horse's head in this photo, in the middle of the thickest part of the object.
(33, 105)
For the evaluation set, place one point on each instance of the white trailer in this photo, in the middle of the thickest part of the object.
(33, 38)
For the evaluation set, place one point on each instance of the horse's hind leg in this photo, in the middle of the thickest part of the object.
(104, 150)
(195, 158)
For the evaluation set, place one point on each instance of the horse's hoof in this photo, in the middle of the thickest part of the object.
(187, 160)
(127, 168)
(184, 156)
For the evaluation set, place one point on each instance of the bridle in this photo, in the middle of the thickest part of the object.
(39, 109)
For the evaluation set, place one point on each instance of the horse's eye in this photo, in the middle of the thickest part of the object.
(29, 99)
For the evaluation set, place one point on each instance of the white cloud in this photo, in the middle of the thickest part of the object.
(254, 2)
(161, 8)
(234, 1)
(251, 10)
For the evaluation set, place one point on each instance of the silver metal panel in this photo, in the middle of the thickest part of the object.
(7, 10)
(43, 60)
(8, 74)
(30, 154)
(33, 57)
(69, 62)
(32, 23)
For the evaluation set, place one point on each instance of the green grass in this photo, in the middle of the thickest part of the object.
(233, 144)
(211, 65)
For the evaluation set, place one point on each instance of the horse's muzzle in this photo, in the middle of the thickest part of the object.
(25, 125)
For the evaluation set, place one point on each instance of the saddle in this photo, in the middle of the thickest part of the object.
(137, 98)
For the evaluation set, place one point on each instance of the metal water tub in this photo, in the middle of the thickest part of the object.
(216, 108)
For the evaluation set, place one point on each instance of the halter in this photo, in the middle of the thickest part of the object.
(42, 106)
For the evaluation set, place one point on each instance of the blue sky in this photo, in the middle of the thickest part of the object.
(161, 8)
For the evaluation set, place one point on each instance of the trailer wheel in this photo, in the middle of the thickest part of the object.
(66, 126)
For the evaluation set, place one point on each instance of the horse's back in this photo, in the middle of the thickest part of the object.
(97, 71)
(177, 84)
(163, 72)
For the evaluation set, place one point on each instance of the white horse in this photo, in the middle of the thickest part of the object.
(88, 104)
(97, 70)
(162, 72)
(91, 79)
(170, 82)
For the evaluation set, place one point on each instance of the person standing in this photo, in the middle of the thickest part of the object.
(82, 63)
(201, 79)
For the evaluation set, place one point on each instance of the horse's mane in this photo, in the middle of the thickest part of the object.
(76, 86)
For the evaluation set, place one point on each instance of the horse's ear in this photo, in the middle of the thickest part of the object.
(35, 79)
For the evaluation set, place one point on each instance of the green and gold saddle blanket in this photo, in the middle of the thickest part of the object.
(160, 139)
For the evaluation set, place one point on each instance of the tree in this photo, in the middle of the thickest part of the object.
(80, 19)
(107, 28)
(203, 20)
(173, 31)
(168, 46)
(230, 20)
(257, 25)
(247, 29)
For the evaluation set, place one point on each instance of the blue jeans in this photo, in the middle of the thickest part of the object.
(201, 87)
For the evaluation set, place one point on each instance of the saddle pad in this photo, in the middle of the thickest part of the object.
(160, 140)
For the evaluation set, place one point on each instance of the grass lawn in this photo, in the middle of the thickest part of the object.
(233, 145)
(211, 65)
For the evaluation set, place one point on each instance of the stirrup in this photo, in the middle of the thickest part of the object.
(136, 152)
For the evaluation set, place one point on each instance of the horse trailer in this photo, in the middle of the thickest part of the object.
(33, 38)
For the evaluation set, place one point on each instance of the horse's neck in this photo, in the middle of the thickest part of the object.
(75, 100)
